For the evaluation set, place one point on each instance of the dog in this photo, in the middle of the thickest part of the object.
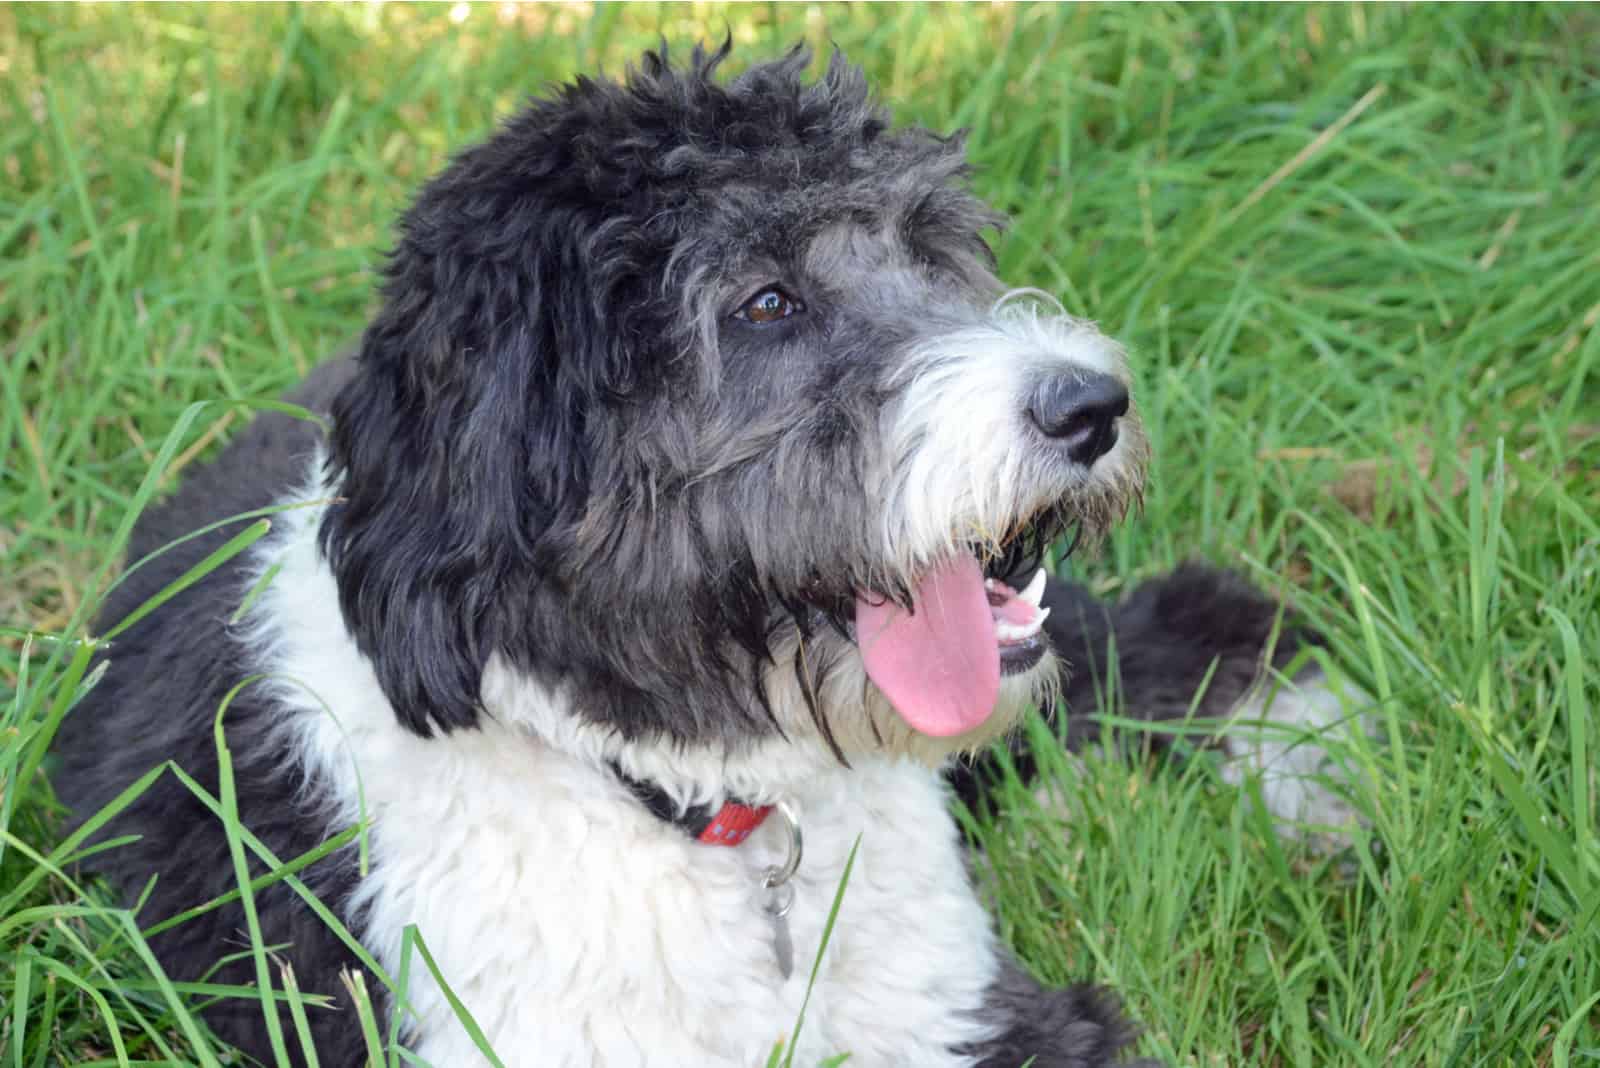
(674, 529)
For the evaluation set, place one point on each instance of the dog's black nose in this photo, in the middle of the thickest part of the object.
(1079, 412)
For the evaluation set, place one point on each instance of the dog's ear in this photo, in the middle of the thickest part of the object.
(456, 451)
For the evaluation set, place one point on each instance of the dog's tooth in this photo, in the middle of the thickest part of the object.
(988, 584)
(1044, 614)
(1035, 588)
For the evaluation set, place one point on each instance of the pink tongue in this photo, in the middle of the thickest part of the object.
(939, 665)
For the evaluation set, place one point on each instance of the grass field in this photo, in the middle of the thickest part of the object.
(1354, 250)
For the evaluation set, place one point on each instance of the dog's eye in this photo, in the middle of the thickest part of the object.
(768, 306)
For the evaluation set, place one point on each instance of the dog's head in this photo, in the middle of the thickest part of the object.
(700, 402)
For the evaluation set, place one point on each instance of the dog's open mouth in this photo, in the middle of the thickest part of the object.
(939, 660)
(1018, 623)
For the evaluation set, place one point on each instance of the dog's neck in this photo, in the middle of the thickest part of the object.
(755, 772)
(730, 824)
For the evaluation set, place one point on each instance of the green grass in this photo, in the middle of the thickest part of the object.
(1355, 253)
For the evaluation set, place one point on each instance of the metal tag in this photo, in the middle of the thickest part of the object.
(779, 899)
(777, 892)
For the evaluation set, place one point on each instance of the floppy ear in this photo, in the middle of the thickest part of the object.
(457, 448)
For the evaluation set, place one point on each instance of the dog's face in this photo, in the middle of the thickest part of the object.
(701, 403)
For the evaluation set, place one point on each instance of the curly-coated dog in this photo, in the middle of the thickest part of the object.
(675, 527)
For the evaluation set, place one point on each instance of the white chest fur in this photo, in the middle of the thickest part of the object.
(580, 930)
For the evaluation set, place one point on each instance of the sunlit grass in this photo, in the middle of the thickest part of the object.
(1352, 251)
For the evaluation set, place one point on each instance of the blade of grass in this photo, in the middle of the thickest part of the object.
(297, 1014)
(213, 560)
(229, 803)
(462, 1015)
(822, 947)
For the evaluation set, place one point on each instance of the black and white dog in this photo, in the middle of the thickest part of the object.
(676, 525)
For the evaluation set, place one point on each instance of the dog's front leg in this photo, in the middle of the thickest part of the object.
(1081, 1026)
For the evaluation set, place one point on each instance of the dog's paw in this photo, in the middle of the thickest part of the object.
(1285, 734)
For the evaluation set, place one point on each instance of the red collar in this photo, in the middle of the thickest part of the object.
(729, 825)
